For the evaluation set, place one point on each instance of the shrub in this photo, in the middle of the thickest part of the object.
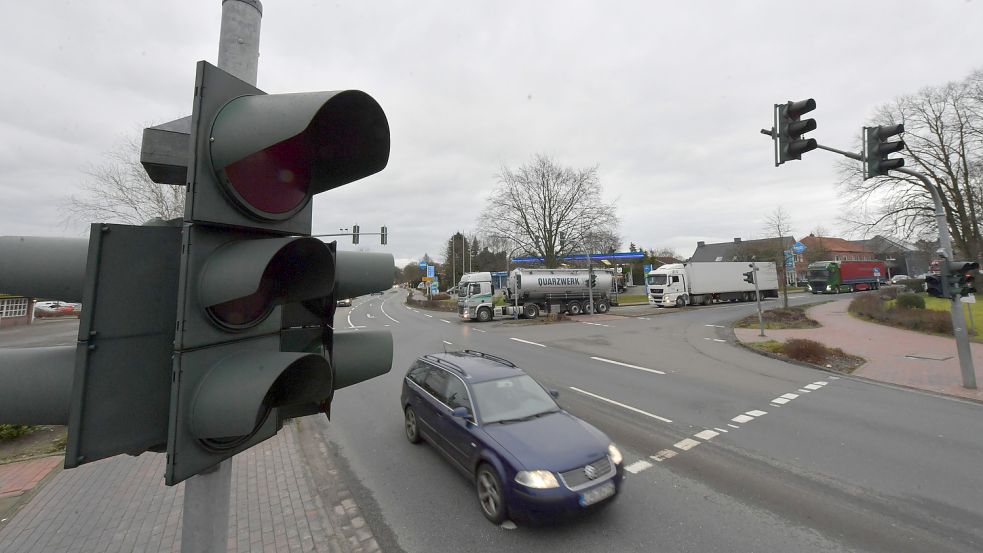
(913, 285)
(911, 301)
(889, 293)
(805, 350)
(441, 296)
(867, 305)
(10, 431)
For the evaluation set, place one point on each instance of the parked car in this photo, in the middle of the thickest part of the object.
(896, 279)
(56, 309)
(346, 302)
(529, 459)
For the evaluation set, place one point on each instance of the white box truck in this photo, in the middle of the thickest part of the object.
(702, 283)
(530, 292)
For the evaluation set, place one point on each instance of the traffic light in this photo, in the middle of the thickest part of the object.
(593, 280)
(790, 127)
(749, 277)
(385, 236)
(355, 234)
(934, 286)
(960, 278)
(254, 341)
(876, 150)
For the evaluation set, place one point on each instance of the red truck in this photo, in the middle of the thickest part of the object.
(833, 277)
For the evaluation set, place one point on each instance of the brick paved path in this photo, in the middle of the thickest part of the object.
(122, 505)
(893, 355)
(18, 478)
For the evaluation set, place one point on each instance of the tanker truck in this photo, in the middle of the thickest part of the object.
(530, 292)
(833, 277)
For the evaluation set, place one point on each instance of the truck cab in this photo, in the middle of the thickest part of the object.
(666, 286)
(474, 292)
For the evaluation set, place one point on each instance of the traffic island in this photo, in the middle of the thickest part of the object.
(809, 352)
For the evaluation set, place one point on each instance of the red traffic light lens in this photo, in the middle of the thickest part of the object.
(247, 311)
(274, 180)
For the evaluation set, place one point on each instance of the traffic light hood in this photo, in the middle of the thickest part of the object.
(275, 151)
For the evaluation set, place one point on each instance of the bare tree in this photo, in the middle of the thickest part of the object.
(944, 140)
(118, 190)
(778, 224)
(537, 203)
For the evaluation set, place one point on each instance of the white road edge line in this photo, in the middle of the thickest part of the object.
(446, 321)
(527, 342)
(426, 315)
(613, 402)
(448, 343)
(350, 318)
(732, 425)
(720, 430)
(479, 330)
(627, 365)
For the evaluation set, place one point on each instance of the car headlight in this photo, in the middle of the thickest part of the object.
(537, 479)
(615, 454)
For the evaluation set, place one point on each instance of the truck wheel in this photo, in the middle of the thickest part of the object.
(587, 307)
(484, 315)
(530, 310)
(681, 301)
(603, 307)
(573, 308)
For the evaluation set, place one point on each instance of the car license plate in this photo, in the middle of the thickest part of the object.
(599, 493)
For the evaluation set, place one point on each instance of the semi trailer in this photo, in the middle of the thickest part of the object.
(530, 292)
(702, 283)
(833, 277)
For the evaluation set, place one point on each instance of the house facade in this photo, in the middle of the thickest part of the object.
(828, 248)
(15, 310)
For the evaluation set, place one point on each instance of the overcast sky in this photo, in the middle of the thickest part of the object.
(666, 98)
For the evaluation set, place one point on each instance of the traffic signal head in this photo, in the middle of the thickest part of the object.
(593, 280)
(260, 158)
(749, 277)
(255, 341)
(877, 148)
(385, 236)
(790, 127)
(934, 286)
(355, 231)
(960, 278)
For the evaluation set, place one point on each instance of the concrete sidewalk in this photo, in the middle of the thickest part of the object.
(893, 355)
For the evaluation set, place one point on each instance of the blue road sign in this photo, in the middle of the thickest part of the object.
(430, 271)
(423, 264)
(646, 268)
(798, 247)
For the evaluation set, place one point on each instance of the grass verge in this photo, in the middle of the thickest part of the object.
(781, 318)
(811, 352)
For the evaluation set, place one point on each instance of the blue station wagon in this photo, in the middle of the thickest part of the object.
(529, 459)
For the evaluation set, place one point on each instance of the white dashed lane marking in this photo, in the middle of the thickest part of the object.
(706, 435)
(686, 445)
(663, 455)
(527, 342)
(638, 466)
(446, 321)
(742, 419)
(448, 343)
(756, 413)
(622, 405)
(603, 360)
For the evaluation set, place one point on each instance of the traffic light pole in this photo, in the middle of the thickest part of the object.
(945, 245)
(757, 297)
(205, 517)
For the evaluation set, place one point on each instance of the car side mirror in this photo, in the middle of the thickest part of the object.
(555, 393)
(460, 413)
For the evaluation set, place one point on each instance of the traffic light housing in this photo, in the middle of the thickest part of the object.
(254, 342)
(749, 277)
(960, 278)
(385, 235)
(934, 286)
(877, 148)
(355, 231)
(789, 128)
(593, 280)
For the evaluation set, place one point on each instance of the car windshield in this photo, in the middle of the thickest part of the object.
(511, 399)
(657, 279)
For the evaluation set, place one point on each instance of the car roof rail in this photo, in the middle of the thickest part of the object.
(447, 364)
(491, 357)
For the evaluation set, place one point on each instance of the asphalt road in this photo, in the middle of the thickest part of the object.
(719, 460)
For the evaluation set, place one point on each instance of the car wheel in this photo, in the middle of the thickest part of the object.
(484, 315)
(573, 308)
(411, 425)
(490, 495)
